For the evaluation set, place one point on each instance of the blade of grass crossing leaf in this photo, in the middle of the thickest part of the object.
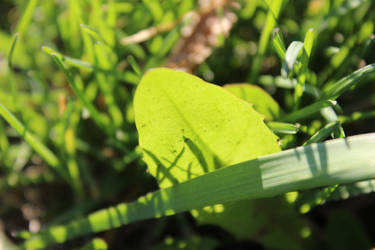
(308, 111)
(295, 169)
(96, 116)
(26, 17)
(32, 140)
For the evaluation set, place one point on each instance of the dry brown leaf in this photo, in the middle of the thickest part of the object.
(200, 36)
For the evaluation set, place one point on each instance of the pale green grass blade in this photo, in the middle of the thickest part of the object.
(31, 139)
(334, 162)
(308, 111)
(283, 128)
(291, 55)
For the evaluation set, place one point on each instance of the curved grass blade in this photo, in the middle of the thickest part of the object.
(338, 161)
(338, 88)
(308, 110)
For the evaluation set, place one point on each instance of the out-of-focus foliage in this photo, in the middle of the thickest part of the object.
(68, 143)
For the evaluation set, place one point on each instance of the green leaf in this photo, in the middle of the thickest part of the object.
(188, 127)
(262, 101)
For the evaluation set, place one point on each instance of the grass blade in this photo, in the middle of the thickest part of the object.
(32, 140)
(312, 166)
(308, 110)
(71, 61)
(27, 16)
(272, 16)
(278, 44)
(323, 133)
(309, 42)
(291, 55)
(12, 47)
(283, 128)
(335, 90)
(134, 65)
(96, 116)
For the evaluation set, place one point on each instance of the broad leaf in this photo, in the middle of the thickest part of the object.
(188, 127)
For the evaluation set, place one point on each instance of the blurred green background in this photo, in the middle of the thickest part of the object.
(99, 162)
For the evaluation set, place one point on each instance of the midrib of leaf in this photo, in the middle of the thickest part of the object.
(345, 161)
